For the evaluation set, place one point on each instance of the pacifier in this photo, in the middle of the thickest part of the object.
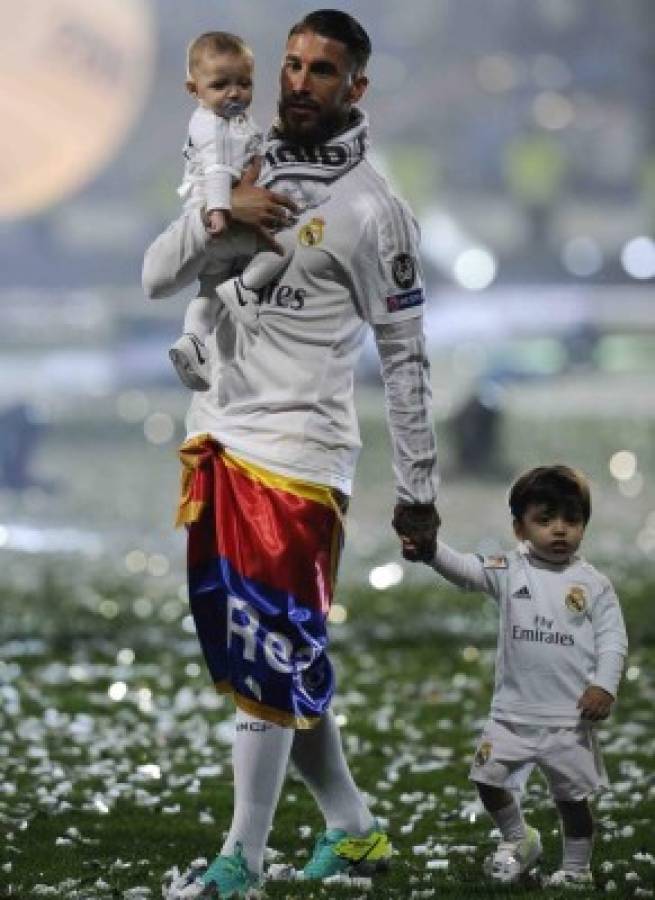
(233, 108)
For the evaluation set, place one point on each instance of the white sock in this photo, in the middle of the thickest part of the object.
(577, 853)
(319, 758)
(259, 758)
(263, 268)
(510, 821)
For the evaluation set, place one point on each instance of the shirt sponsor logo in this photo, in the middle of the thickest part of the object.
(523, 593)
(284, 296)
(311, 234)
(576, 599)
(405, 300)
(403, 270)
(542, 633)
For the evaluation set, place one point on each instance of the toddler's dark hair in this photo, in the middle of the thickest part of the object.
(558, 487)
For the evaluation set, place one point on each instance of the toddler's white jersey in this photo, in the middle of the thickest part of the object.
(216, 153)
(561, 629)
(286, 399)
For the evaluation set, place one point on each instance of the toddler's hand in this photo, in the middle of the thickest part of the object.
(595, 703)
(216, 222)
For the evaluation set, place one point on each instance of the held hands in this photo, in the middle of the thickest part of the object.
(215, 222)
(595, 703)
(416, 525)
(261, 208)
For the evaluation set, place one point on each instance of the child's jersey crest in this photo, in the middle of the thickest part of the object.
(576, 599)
(483, 753)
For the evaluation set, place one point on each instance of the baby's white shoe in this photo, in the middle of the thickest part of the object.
(190, 358)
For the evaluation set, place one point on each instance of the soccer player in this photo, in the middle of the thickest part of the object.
(222, 141)
(271, 448)
(561, 648)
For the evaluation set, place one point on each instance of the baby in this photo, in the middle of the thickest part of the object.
(223, 140)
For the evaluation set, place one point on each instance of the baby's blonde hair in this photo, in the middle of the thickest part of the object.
(213, 42)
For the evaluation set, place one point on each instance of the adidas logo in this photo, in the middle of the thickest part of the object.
(523, 593)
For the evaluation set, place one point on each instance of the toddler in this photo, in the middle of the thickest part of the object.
(561, 649)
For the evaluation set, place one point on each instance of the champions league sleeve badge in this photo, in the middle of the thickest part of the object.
(495, 562)
(403, 270)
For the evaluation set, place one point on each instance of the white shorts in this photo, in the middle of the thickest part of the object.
(569, 758)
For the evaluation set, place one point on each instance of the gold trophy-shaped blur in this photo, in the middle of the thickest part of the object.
(73, 77)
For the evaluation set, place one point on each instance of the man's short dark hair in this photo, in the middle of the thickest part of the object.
(339, 26)
(559, 488)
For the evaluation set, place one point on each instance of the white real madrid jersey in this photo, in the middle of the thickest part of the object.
(216, 152)
(560, 630)
(286, 399)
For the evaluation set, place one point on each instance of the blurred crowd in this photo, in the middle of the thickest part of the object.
(525, 137)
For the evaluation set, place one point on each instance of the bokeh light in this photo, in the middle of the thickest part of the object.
(638, 258)
(159, 428)
(338, 614)
(132, 406)
(582, 256)
(475, 269)
(552, 111)
(117, 691)
(383, 577)
(623, 465)
(136, 561)
(125, 656)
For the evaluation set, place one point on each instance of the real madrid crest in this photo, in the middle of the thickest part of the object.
(576, 599)
(311, 234)
(483, 753)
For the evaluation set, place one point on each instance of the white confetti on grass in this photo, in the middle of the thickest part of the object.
(99, 751)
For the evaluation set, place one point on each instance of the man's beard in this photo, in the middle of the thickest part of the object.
(325, 125)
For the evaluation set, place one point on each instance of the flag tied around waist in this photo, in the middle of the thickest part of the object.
(263, 552)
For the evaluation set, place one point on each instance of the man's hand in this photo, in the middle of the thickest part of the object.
(416, 525)
(595, 703)
(261, 208)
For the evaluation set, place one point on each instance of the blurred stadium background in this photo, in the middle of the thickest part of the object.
(524, 137)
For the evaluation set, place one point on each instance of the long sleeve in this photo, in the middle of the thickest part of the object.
(175, 258)
(408, 395)
(464, 570)
(222, 148)
(611, 640)
(178, 256)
